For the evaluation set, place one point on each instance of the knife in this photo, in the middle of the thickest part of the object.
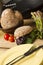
(29, 52)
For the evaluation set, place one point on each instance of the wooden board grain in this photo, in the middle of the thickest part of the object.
(38, 42)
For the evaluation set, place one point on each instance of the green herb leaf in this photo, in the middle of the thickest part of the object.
(28, 40)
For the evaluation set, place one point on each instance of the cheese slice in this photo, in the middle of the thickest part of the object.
(13, 53)
(34, 60)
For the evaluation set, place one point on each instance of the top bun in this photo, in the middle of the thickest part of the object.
(8, 19)
(19, 15)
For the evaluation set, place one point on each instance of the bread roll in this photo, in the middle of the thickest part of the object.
(18, 15)
(21, 31)
(8, 19)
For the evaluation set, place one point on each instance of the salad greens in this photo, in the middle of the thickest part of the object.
(37, 16)
(31, 37)
(38, 31)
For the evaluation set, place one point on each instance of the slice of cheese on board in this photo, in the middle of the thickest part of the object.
(13, 53)
(34, 60)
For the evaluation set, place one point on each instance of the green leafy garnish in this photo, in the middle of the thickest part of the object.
(37, 16)
(28, 40)
(38, 31)
(32, 36)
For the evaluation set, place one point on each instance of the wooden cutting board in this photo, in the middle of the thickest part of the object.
(4, 43)
(38, 42)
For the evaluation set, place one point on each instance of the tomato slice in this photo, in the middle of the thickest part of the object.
(11, 38)
(6, 36)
